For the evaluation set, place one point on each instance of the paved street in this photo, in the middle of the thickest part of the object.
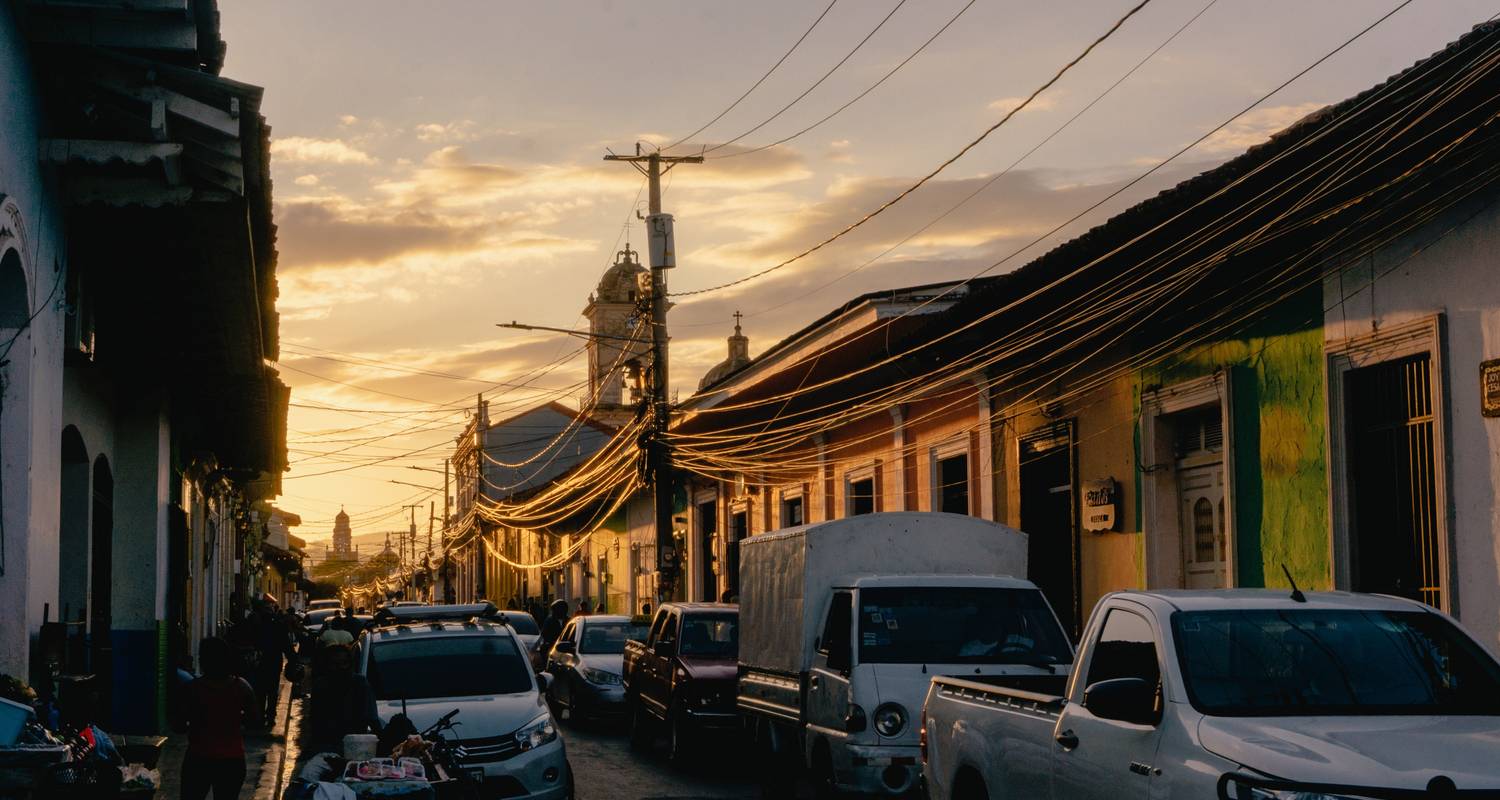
(605, 768)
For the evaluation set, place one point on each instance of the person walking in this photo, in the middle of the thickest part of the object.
(273, 641)
(552, 626)
(219, 704)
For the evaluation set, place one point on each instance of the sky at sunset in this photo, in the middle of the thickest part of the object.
(438, 169)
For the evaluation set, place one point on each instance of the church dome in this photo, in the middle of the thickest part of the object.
(342, 517)
(622, 281)
(739, 356)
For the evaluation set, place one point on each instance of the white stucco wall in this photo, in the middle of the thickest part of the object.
(1456, 274)
(31, 449)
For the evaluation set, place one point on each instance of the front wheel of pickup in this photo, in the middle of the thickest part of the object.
(640, 726)
(680, 738)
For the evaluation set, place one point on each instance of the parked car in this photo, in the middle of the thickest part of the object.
(314, 620)
(846, 621)
(588, 664)
(682, 676)
(1232, 694)
(319, 605)
(525, 628)
(426, 661)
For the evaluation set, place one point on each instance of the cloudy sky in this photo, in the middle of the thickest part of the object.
(438, 169)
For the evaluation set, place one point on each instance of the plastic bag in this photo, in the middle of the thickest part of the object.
(138, 776)
(334, 791)
(104, 749)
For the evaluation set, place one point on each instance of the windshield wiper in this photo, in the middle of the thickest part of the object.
(1040, 663)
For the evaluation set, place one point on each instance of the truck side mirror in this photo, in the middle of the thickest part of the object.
(1130, 700)
(566, 646)
(666, 649)
(840, 657)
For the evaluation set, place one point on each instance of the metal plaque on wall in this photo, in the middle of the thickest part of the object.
(1101, 505)
(1489, 387)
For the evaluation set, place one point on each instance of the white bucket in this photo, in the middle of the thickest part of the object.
(360, 746)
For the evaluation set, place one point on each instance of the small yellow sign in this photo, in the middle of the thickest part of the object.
(1489, 388)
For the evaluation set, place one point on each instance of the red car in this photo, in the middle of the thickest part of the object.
(682, 677)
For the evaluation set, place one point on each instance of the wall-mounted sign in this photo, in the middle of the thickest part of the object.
(1101, 505)
(1489, 388)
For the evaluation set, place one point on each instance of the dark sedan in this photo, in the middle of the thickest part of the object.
(586, 665)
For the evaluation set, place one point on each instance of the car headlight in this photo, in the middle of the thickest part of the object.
(1246, 790)
(600, 677)
(1284, 794)
(890, 719)
(538, 732)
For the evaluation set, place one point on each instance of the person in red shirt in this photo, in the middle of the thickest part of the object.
(218, 705)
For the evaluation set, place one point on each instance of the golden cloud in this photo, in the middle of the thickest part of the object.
(1255, 127)
(1043, 102)
(305, 149)
(327, 231)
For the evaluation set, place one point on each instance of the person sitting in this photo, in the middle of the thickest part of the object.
(334, 633)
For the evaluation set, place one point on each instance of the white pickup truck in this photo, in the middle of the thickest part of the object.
(1240, 695)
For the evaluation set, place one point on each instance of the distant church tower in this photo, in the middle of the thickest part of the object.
(610, 312)
(739, 356)
(343, 539)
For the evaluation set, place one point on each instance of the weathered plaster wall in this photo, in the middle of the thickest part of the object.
(1104, 425)
(31, 417)
(1449, 267)
(1278, 431)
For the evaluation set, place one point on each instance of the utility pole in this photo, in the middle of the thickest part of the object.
(413, 534)
(658, 456)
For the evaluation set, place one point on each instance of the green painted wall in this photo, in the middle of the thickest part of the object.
(1280, 500)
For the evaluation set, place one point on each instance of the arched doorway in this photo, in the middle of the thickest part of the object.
(73, 529)
(15, 396)
(100, 567)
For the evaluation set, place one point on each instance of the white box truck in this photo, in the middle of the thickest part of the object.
(844, 623)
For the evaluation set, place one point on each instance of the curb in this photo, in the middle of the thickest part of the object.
(268, 783)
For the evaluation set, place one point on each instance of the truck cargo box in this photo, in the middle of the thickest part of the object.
(786, 576)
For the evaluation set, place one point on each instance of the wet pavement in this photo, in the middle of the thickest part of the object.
(266, 752)
(606, 768)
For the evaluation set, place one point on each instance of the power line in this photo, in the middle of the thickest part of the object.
(363, 361)
(818, 82)
(756, 85)
(956, 286)
(934, 173)
(872, 87)
(992, 180)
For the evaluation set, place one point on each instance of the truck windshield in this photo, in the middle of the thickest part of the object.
(447, 666)
(1318, 662)
(608, 638)
(710, 635)
(958, 625)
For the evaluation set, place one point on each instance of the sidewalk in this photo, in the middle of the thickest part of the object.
(265, 755)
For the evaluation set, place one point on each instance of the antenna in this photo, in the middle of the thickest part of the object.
(1297, 595)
